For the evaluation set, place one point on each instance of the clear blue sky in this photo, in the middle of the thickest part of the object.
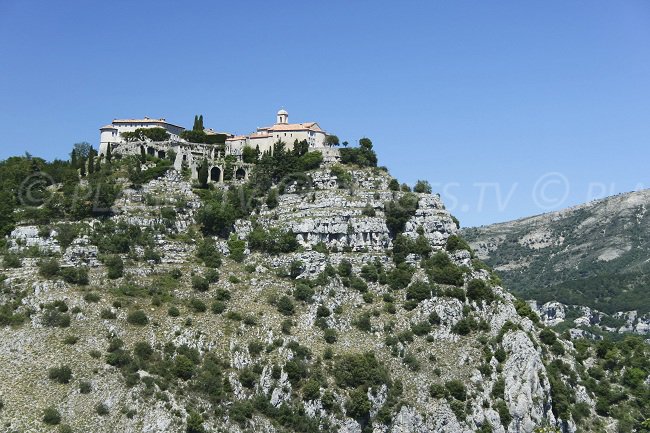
(476, 97)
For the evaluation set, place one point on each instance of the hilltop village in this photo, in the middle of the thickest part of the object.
(160, 138)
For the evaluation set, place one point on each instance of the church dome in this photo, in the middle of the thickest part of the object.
(282, 112)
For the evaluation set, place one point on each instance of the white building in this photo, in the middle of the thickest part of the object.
(264, 138)
(112, 134)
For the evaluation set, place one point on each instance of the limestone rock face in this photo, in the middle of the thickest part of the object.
(340, 218)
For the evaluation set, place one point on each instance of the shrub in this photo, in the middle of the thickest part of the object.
(285, 306)
(478, 290)
(237, 248)
(368, 210)
(498, 388)
(504, 413)
(398, 212)
(363, 322)
(330, 335)
(456, 389)
(55, 318)
(183, 367)
(71, 339)
(302, 292)
(61, 374)
(422, 187)
(421, 328)
(115, 267)
(547, 336)
(218, 307)
(195, 423)
(360, 370)
(107, 314)
(455, 243)
(437, 390)
(51, 416)
(296, 268)
(248, 378)
(138, 318)
(200, 284)
(101, 409)
(345, 268)
(208, 253)
(418, 291)
(11, 260)
(400, 277)
(49, 268)
(197, 305)
(91, 297)
(85, 387)
(358, 406)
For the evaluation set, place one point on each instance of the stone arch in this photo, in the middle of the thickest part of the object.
(240, 174)
(151, 151)
(161, 154)
(215, 174)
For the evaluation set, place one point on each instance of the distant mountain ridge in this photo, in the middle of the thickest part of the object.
(596, 254)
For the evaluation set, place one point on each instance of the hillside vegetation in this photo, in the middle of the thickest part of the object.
(315, 297)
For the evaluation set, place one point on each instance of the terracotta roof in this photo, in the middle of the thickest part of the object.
(308, 126)
(107, 127)
(236, 137)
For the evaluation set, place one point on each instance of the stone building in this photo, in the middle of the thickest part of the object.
(264, 137)
(112, 133)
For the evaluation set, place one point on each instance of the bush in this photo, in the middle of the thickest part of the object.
(237, 248)
(200, 284)
(61, 374)
(345, 268)
(101, 409)
(360, 370)
(419, 291)
(437, 390)
(296, 268)
(455, 243)
(85, 387)
(478, 290)
(208, 253)
(285, 306)
(218, 307)
(195, 423)
(115, 267)
(398, 213)
(49, 268)
(51, 416)
(330, 335)
(363, 322)
(302, 292)
(422, 187)
(358, 406)
(11, 260)
(504, 413)
(183, 367)
(547, 336)
(197, 305)
(456, 389)
(92, 297)
(138, 318)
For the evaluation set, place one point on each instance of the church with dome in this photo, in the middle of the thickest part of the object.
(264, 137)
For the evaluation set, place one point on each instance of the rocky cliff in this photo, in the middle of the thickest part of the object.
(139, 323)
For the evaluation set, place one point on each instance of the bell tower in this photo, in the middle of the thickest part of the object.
(282, 117)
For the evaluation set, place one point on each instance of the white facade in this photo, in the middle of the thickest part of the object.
(112, 134)
(264, 138)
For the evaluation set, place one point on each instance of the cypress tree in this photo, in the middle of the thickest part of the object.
(195, 127)
(201, 122)
(143, 155)
(203, 174)
(82, 167)
(73, 158)
(108, 153)
(91, 161)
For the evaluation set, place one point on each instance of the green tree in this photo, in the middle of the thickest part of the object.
(422, 187)
(203, 173)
